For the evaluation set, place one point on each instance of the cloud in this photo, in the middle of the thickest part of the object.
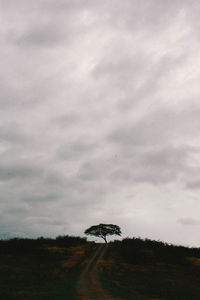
(16, 211)
(189, 222)
(195, 184)
(154, 165)
(99, 100)
(67, 120)
(76, 150)
(19, 171)
(158, 126)
(46, 221)
(12, 133)
(42, 196)
(40, 36)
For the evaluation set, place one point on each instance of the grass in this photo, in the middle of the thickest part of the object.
(40, 269)
(144, 269)
(132, 269)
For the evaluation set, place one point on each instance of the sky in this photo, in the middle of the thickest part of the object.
(100, 117)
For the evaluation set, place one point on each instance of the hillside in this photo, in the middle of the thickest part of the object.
(145, 269)
(72, 268)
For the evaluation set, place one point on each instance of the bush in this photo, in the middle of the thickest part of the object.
(22, 246)
(148, 251)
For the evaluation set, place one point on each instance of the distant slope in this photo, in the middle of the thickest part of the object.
(137, 269)
(72, 268)
(42, 269)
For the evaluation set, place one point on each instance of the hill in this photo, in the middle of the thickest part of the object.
(72, 268)
(146, 269)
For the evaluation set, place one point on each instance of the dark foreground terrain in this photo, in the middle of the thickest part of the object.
(72, 268)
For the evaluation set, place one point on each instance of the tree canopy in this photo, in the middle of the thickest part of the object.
(103, 230)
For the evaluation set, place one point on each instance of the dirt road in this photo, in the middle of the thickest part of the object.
(89, 286)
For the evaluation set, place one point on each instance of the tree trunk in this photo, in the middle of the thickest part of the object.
(105, 239)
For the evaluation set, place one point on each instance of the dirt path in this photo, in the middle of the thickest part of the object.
(89, 286)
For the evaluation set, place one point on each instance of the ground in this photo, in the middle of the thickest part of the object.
(100, 271)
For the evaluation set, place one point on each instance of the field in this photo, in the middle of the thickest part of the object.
(137, 269)
(130, 269)
(40, 269)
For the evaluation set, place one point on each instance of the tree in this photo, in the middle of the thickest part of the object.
(102, 230)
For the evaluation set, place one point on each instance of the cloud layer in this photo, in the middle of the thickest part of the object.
(99, 117)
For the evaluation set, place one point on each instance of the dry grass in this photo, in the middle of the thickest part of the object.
(148, 274)
(195, 261)
(48, 273)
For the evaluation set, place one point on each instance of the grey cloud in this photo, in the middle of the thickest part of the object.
(16, 211)
(46, 221)
(118, 70)
(8, 96)
(172, 156)
(99, 100)
(130, 68)
(94, 169)
(154, 165)
(41, 34)
(54, 178)
(67, 120)
(122, 70)
(89, 172)
(64, 6)
(40, 197)
(189, 222)
(12, 234)
(45, 28)
(149, 131)
(157, 127)
(76, 149)
(194, 185)
(18, 171)
(42, 189)
(133, 13)
(15, 97)
(152, 16)
(12, 133)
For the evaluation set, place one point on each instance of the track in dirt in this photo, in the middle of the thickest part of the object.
(89, 286)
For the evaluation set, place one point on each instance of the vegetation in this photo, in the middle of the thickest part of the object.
(41, 269)
(146, 269)
(103, 230)
(44, 268)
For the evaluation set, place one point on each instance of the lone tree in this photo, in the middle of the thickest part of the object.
(102, 230)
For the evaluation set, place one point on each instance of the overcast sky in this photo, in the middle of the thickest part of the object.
(100, 117)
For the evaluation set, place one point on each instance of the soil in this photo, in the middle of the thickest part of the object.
(89, 286)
